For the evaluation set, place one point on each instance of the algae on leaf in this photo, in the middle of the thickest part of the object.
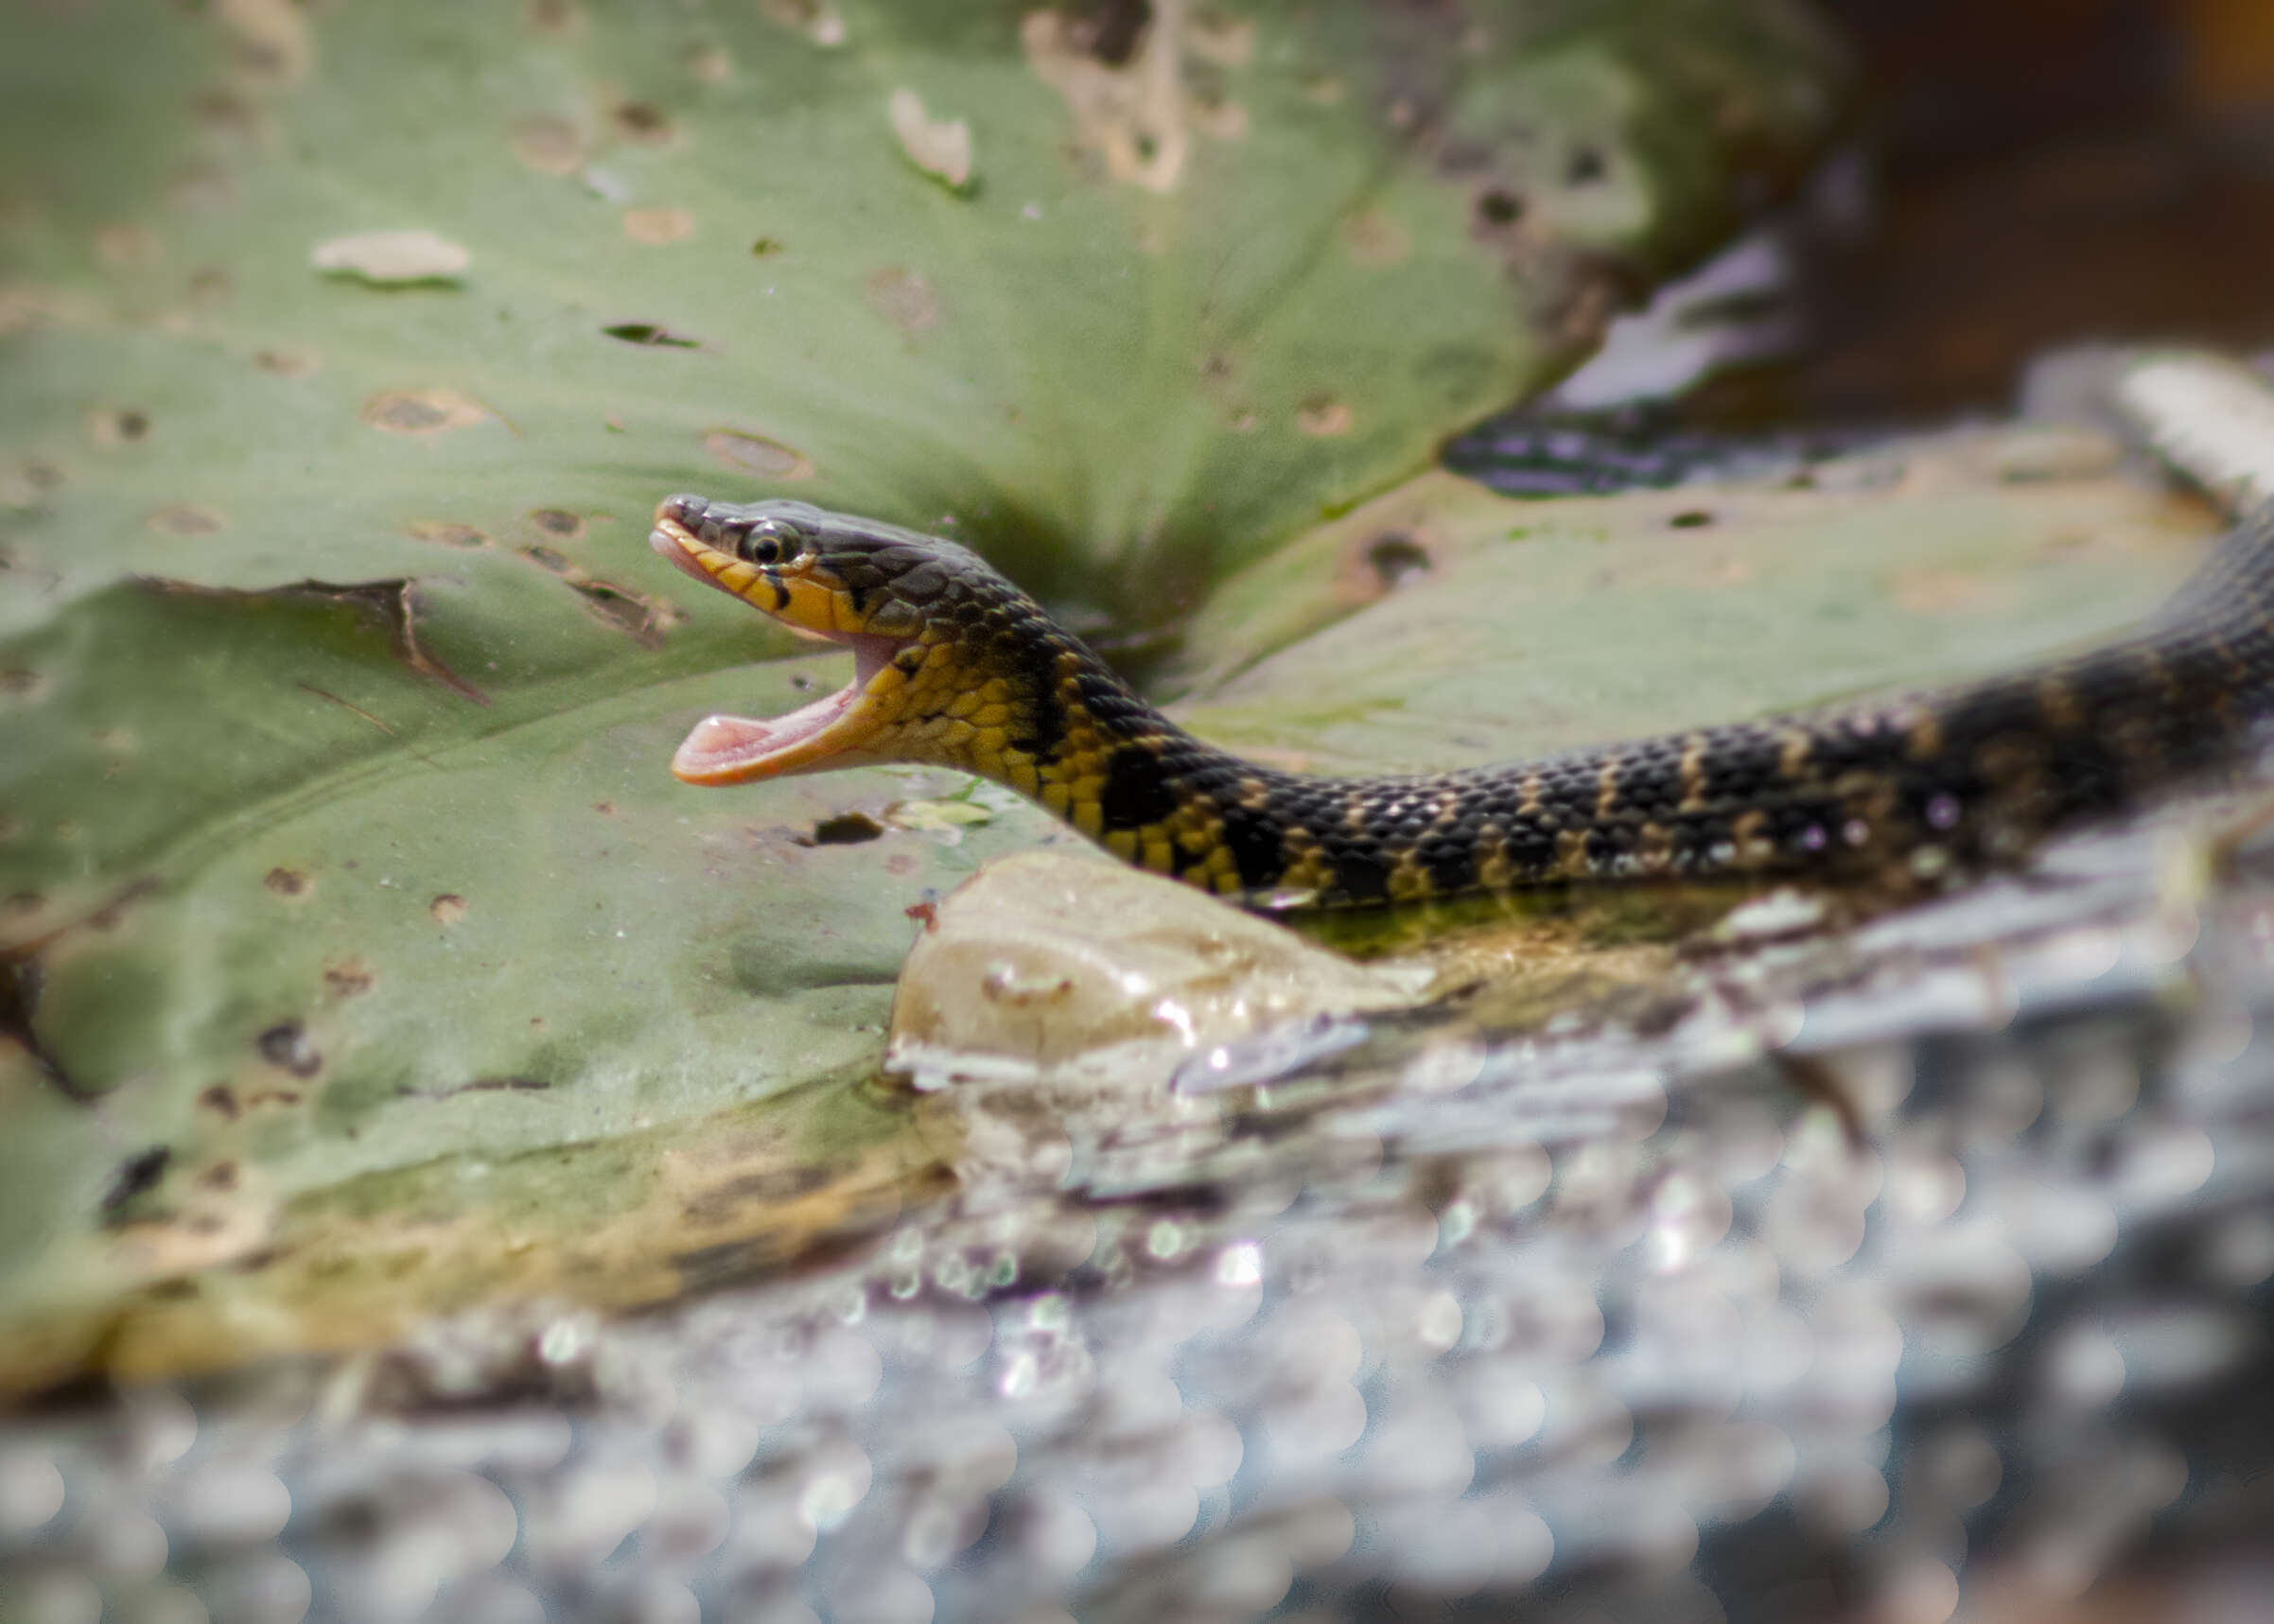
(348, 348)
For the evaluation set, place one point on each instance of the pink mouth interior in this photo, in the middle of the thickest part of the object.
(740, 746)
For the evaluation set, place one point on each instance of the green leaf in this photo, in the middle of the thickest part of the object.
(336, 682)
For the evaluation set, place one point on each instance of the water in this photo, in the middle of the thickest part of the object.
(1886, 1262)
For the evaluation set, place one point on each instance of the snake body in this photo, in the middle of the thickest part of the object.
(956, 666)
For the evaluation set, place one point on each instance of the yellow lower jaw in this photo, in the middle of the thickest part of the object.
(739, 750)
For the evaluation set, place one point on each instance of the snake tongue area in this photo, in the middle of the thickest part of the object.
(815, 738)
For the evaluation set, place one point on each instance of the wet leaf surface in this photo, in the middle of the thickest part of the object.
(348, 351)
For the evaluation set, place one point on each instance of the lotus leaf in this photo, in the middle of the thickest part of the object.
(347, 349)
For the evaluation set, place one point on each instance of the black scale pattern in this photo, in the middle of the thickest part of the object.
(1975, 771)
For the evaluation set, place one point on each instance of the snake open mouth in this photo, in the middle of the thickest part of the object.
(738, 750)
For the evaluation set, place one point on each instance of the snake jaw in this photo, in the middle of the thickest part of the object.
(825, 734)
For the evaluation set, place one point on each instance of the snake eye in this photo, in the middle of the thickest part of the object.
(768, 541)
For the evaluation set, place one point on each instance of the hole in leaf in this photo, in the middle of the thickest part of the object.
(847, 828)
(134, 1175)
(1499, 206)
(285, 1047)
(1397, 560)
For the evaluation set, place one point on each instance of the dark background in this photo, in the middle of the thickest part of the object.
(2043, 173)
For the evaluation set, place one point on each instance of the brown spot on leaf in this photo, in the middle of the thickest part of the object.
(1497, 207)
(1109, 30)
(942, 148)
(391, 258)
(220, 1176)
(218, 1100)
(642, 619)
(1397, 560)
(1937, 591)
(1119, 70)
(185, 518)
(547, 559)
(210, 286)
(904, 299)
(1322, 418)
(136, 1173)
(126, 247)
(39, 475)
(1374, 240)
(346, 980)
(1691, 519)
(286, 1046)
(549, 16)
(22, 904)
(1224, 40)
(1221, 120)
(271, 39)
(770, 1186)
(288, 362)
(709, 64)
(559, 523)
(548, 145)
(641, 121)
(756, 454)
(817, 20)
(766, 247)
(651, 334)
(287, 881)
(448, 909)
(226, 112)
(202, 188)
(656, 227)
(19, 682)
(446, 533)
(117, 426)
(422, 411)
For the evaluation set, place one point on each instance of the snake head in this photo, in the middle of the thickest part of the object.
(894, 598)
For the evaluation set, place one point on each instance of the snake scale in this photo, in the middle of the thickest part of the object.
(955, 667)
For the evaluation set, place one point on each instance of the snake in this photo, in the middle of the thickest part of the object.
(953, 666)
